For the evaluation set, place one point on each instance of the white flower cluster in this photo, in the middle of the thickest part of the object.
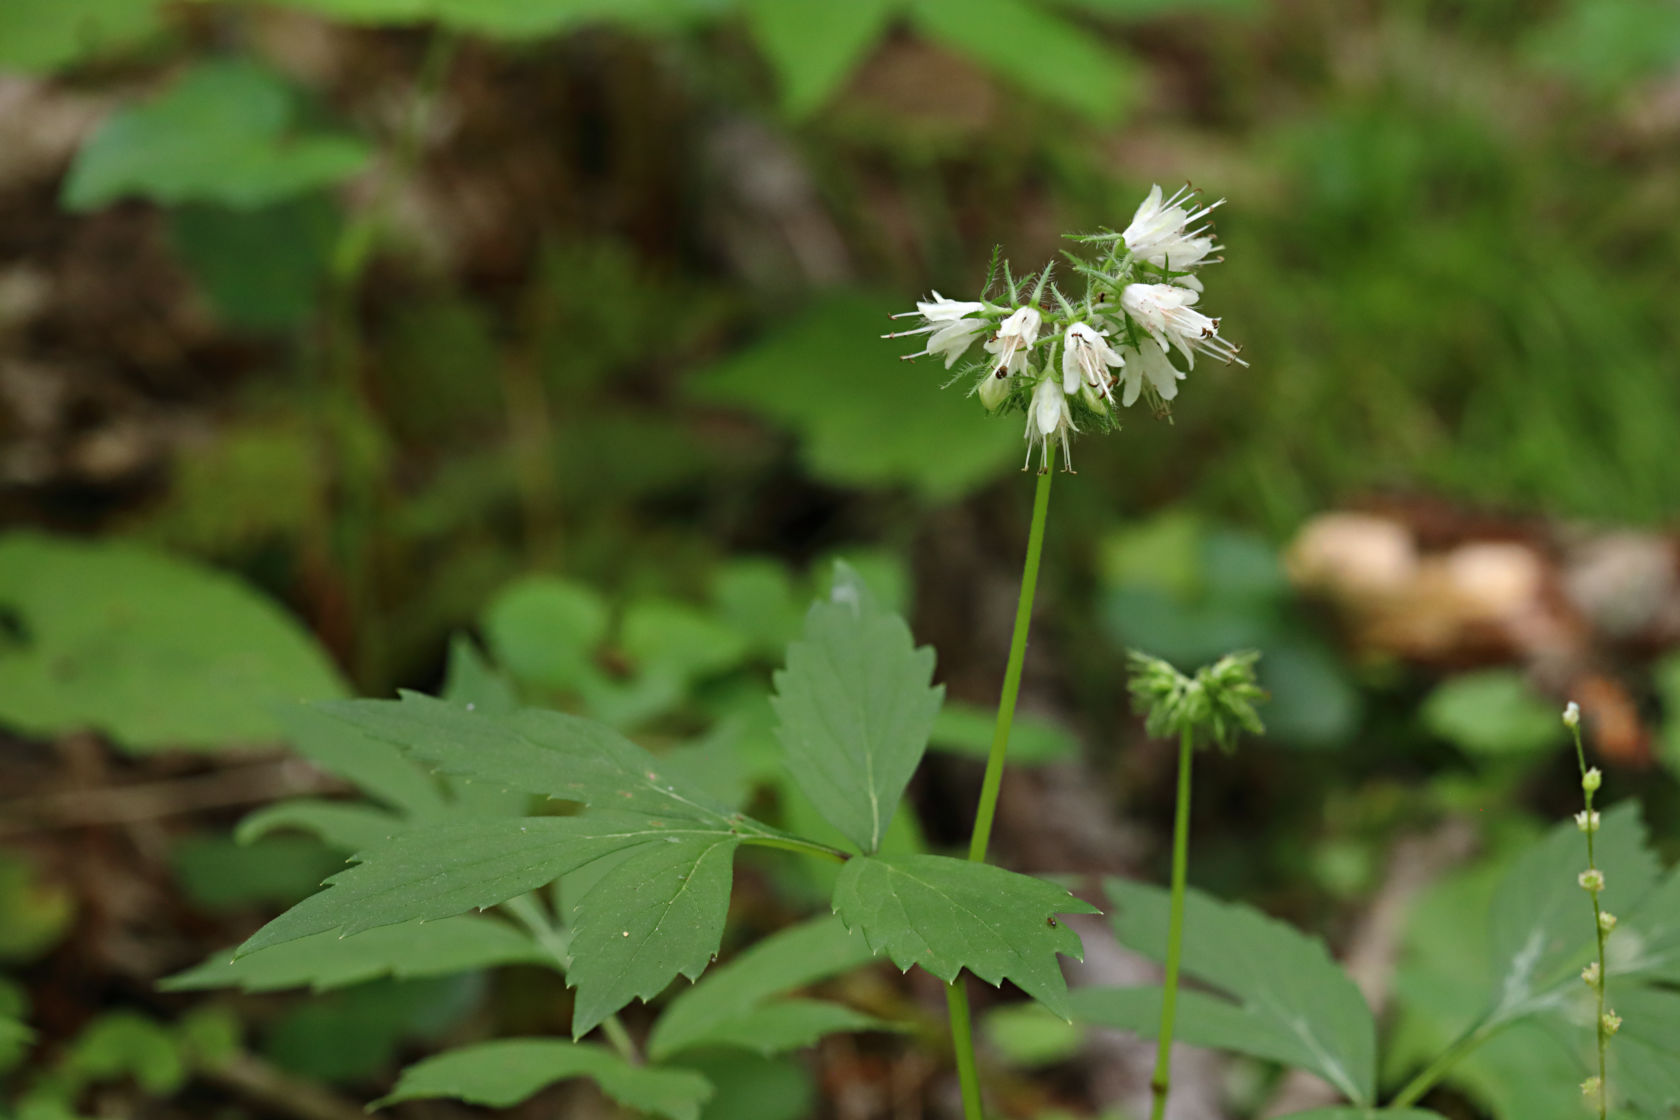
(1059, 360)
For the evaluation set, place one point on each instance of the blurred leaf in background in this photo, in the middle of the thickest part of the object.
(155, 651)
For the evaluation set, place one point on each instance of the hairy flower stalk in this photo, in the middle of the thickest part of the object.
(1057, 360)
(1606, 1021)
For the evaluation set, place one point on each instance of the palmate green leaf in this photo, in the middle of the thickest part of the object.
(1647, 942)
(408, 951)
(1542, 925)
(560, 756)
(815, 44)
(950, 914)
(154, 651)
(657, 913)
(856, 707)
(503, 1073)
(1283, 982)
(937, 441)
(734, 996)
(448, 869)
(224, 133)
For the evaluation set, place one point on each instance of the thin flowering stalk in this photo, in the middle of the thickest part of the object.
(1605, 1021)
(1161, 1084)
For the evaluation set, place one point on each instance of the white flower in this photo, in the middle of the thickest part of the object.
(1149, 362)
(1015, 337)
(1167, 312)
(1160, 233)
(993, 390)
(948, 325)
(1048, 417)
(1086, 358)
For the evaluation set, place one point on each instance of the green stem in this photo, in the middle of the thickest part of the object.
(1012, 671)
(797, 844)
(1434, 1071)
(962, 1042)
(1161, 1084)
(1603, 1034)
(956, 997)
(620, 1039)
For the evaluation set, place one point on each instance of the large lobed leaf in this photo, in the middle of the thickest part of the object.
(737, 1004)
(950, 914)
(406, 951)
(856, 707)
(441, 871)
(560, 756)
(1291, 1002)
(154, 651)
(503, 1073)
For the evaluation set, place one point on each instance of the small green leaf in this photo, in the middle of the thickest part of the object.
(344, 825)
(545, 630)
(937, 441)
(156, 652)
(408, 951)
(657, 913)
(503, 1073)
(733, 994)
(965, 729)
(856, 707)
(1492, 712)
(223, 133)
(1028, 1036)
(1037, 51)
(672, 639)
(293, 239)
(950, 914)
(1542, 920)
(814, 45)
(444, 870)
(1286, 989)
(125, 1044)
(792, 1024)
(561, 756)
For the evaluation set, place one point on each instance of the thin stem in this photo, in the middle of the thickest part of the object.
(1473, 1037)
(620, 1039)
(962, 1042)
(956, 997)
(1603, 975)
(1012, 671)
(1161, 1084)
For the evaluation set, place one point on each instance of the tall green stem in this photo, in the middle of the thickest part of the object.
(1161, 1084)
(956, 996)
(1012, 671)
(1473, 1037)
(962, 1042)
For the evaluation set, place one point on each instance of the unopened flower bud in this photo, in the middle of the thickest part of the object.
(1591, 1087)
(1591, 879)
(1587, 822)
(1607, 921)
(1590, 974)
(1572, 715)
(1611, 1022)
(993, 390)
(1591, 780)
